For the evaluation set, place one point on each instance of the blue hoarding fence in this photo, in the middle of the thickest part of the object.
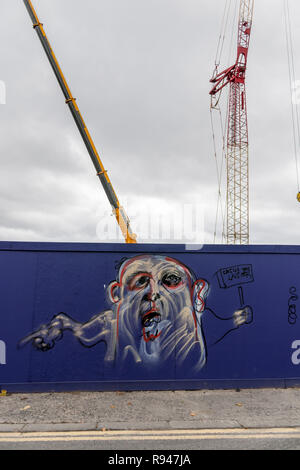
(146, 317)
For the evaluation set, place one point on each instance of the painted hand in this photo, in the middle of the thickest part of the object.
(44, 338)
(243, 316)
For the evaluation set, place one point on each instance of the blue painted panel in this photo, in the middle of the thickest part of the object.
(106, 317)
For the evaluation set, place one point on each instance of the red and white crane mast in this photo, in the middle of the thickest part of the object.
(237, 145)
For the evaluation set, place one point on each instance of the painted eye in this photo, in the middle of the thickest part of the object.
(171, 280)
(142, 281)
(139, 282)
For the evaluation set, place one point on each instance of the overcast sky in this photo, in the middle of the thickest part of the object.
(140, 71)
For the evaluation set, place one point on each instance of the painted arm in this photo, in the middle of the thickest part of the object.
(216, 328)
(98, 328)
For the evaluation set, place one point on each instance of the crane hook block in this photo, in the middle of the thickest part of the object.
(298, 197)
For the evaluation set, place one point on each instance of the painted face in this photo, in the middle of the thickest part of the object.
(154, 298)
(158, 287)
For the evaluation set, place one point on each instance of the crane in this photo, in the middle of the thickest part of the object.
(118, 210)
(293, 88)
(237, 142)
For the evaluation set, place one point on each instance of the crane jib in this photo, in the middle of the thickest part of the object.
(121, 217)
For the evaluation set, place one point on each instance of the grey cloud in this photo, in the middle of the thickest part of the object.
(140, 71)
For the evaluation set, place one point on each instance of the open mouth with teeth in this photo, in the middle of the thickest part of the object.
(150, 322)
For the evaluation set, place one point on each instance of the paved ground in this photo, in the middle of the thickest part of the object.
(85, 411)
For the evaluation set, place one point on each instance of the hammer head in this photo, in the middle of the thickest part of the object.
(235, 275)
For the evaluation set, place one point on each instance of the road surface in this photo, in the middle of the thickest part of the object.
(170, 440)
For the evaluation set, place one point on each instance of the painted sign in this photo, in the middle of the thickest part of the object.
(78, 316)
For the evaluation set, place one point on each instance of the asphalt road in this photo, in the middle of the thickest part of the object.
(175, 442)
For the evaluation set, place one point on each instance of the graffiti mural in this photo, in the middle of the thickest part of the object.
(157, 309)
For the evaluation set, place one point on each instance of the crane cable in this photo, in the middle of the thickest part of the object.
(220, 47)
(222, 34)
(292, 80)
(219, 174)
(214, 106)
